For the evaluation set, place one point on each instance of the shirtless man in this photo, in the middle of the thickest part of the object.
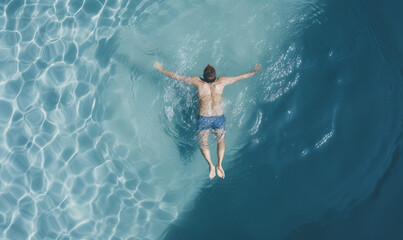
(211, 115)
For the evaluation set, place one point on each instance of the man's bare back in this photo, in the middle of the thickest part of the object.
(211, 114)
(210, 98)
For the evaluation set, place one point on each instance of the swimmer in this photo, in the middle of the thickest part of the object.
(211, 115)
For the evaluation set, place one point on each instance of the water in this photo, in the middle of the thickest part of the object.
(96, 144)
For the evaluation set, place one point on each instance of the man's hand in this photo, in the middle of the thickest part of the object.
(257, 68)
(158, 66)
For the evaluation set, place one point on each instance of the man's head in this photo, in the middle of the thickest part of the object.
(209, 74)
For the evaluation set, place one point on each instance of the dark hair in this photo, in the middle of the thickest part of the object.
(209, 74)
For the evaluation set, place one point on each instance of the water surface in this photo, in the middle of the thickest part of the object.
(96, 144)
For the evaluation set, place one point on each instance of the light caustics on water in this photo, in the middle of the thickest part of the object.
(95, 143)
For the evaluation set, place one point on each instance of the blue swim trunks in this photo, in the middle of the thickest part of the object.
(207, 122)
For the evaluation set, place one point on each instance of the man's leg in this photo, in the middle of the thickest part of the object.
(220, 134)
(206, 151)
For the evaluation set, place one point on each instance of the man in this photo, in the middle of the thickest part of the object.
(211, 115)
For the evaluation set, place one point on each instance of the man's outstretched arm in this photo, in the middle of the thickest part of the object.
(188, 80)
(231, 80)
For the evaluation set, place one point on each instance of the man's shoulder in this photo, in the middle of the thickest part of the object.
(222, 80)
(197, 81)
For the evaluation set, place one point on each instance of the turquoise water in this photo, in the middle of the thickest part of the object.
(96, 144)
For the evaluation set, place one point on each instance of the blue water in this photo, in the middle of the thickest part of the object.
(96, 144)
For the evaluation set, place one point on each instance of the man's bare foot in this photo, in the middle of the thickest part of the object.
(212, 171)
(220, 172)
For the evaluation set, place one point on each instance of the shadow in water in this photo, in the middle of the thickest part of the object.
(182, 125)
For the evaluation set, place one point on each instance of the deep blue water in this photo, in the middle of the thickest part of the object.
(96, 144)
